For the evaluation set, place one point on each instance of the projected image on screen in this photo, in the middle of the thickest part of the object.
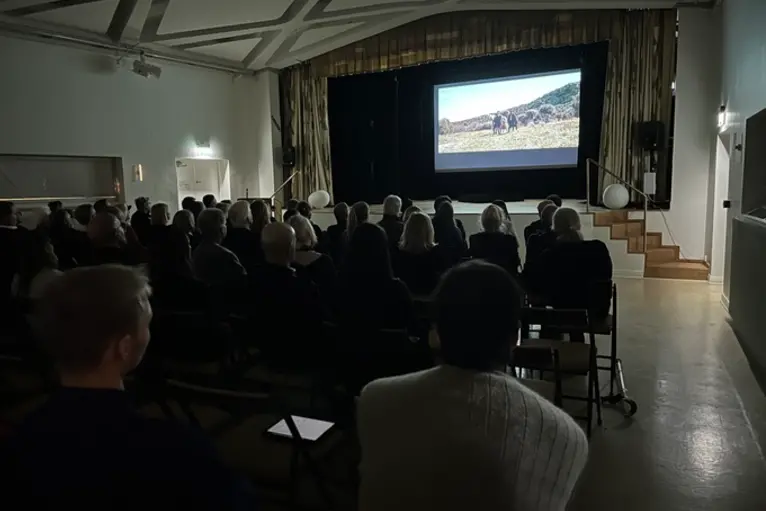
(508, 123)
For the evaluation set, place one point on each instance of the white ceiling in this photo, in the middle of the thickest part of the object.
(249, 34)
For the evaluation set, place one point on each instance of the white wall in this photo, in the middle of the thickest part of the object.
(697, 102)
(743, 90)
(62, 101)
(719, 226)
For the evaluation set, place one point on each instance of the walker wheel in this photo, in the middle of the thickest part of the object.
(630, 407)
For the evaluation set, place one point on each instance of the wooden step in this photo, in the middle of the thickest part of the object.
(607, 218)
(627, 229)
(636, 244)
(684, 270)
(664, 254)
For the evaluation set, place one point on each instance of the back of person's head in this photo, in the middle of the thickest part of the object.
(184, 221)
(566, 225)
(142, 204)
(341, 213)
(546, 217)
(187, 202)
(224, 206)
(55, 205)
(123, 209)
(212, 225)
(106, 230)
(492, 219)
(226, 201)
(477, 309)
(38, 254)
(441, 199)
(60, 222)
(418, 234)
(305, 236)
(83, 214)
(209, 201)
(503, 206)
(278, 243)
(554, 199)
(196, 208)
(261, 215)
(368, 257)
(304, 208)
(409, 211)
(292, 205)
(100, 205)
(174, 260)
(116, 212)
(445, 213)
(240, 216)
(96, 320)
(8, 215)
(392, 205)
(544, 204)
(359, 214)
(160, 214)
(406, 203)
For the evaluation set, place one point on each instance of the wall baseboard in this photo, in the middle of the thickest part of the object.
(715, 279)
(628, 274)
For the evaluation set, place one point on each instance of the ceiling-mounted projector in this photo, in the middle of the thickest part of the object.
(141, 67)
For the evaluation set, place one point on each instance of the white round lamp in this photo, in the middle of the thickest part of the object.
(319, 199)
(616, 196)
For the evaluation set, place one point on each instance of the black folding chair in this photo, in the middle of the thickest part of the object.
(531, 358)
(574, 357)
(241, 407)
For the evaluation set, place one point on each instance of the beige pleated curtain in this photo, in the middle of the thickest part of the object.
(640, 72)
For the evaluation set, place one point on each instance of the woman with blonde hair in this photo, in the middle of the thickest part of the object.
(493, 244)
(419, 263)
(567, 225)
(309, 263)
(408, 212)
(240, 239)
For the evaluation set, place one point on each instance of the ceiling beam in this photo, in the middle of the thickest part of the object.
(120, 19)
(49, 6)
(154, 19)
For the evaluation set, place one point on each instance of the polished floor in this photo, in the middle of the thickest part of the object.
(697, 440)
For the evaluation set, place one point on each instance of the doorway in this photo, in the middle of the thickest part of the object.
(720, 220)
(197, 177)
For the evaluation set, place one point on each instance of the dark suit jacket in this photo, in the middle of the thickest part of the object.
(393, 227)
(496, 248)
(532, 229)
(217, 266)
(246, 245)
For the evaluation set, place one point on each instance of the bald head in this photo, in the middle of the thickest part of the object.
(278, 243)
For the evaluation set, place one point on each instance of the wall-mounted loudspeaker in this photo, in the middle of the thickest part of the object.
(650, 135)
(288, 156)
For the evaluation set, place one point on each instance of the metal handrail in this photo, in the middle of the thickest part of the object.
(588, 163)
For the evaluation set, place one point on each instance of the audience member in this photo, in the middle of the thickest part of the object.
(493, 244)
(466, 435)
(83, 215)
(507, 221)
(291, 208)
(308, 262)
(173, 281)
(576, 274)
(55, 205)
(537, 224)
(10, 254)
(437, 204)
(304, 208)
(418, 261)
(95, 327)
(214, 264)
(240, 239)
(64, 238)
(335, 239)
(542, 240)
(187, 202)
(224, 206)
(108, 244)
(209, 201)
(183, 220)
(555, 199)
(368, 294)
(392, 210)
(261, 216)
(359, 214)
(37, 269)
(406, 204)
(100, 205)
(408, 212)
(447, 234)
(196, 208)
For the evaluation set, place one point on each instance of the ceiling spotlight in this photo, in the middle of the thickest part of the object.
(142, 68)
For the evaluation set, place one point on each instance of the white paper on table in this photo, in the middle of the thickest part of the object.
(309, 429)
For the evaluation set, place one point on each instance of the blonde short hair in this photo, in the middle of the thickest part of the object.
(409, 211)
(240, 215)
(392, 205)
(160, 213)
(566, 224)
(418, 234)
(305, 236)
(492, 219)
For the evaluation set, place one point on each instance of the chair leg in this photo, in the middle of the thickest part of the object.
(590, 403)
(597, 389)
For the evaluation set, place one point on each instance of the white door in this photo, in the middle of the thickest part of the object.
(207, 179)
(197, 178)
(720, 193)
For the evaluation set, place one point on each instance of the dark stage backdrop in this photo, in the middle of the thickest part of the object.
(382, 129)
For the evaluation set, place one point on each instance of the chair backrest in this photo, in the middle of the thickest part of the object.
(537, 358)
(558, 320)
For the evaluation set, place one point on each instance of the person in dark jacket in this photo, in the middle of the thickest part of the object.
(537, 224)
(419, 261)
(448, 235)
(493, 244)
(335, 239)
(391, 222)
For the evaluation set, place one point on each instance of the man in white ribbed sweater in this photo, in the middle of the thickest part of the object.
(464, 435)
